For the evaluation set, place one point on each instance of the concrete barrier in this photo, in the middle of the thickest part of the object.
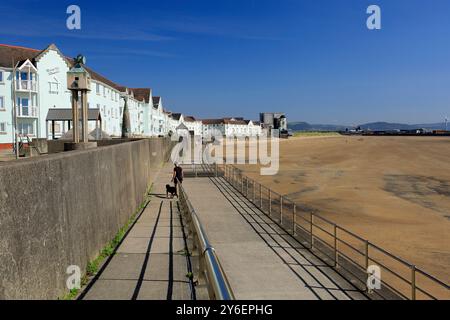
(62, 209)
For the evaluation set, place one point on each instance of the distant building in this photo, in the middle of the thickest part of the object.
(274, 120)
(231, 127)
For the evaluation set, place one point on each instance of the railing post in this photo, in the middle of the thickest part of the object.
(311, 229)
(246, 193)
(260, 196)
(335, 247)
(281, 210)
(270, 202)
(254, 191)
(366, 252)
(294, 218)
(413, 282)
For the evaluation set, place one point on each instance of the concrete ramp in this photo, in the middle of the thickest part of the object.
(261, 261)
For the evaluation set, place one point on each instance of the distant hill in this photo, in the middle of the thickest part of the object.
(374, 126)
(384, 126)
(304, 126)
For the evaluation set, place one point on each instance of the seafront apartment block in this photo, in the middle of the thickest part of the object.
(35, 81)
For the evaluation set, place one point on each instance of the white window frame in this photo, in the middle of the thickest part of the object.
(97, 88)
(2, 80)
(29, 125)
(2, 104)
(4, 127)
(53, 83)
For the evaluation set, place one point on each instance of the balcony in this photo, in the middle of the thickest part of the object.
(27, 112)
(26, 85)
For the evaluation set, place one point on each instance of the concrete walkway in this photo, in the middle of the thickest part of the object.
(260, 260)
(151, 263)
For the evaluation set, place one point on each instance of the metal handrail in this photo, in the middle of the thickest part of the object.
(237, 177)
(218, 286)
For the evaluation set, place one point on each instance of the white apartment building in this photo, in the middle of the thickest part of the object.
(231, 127)
(36, 81)
(194, 126)
(175, 119)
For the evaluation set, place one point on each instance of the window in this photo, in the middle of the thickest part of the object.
(2, 127)
(104, 91)
(1, 76)
(2, 103)
(23, 104)
(26, 128)
(98, 106)
(97, 89)
(53, 87)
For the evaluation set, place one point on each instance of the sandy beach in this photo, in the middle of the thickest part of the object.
(394, 191)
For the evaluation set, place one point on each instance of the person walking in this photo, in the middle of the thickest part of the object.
(178, 174)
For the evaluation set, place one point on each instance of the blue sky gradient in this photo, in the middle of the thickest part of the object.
(313, 59)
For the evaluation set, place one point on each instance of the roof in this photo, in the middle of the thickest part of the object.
(189, 119)
(212, 121)
(60, 114)
(9, 53)
(156, 100)
(182, 126)
(142, 94)
(226, 121)
(242, 122)
(176, 116)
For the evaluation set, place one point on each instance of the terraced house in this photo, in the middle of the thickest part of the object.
(231, 127)
(35, 82)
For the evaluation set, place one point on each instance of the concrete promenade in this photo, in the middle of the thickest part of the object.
(151, 263)
(260, 260)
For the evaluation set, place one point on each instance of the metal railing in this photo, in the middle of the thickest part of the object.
(349, 254)
(209, 271)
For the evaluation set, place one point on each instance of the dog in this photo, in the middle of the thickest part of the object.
(171, 190)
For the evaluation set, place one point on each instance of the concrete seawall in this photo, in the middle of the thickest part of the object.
(62, 209)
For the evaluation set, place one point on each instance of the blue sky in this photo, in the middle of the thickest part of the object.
(313, 59)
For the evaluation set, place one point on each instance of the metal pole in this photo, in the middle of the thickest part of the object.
(294, 218)
(367, 254)
(311, 229)
(281, 210)
(246, 180)
(270, 202)
(260, 196)
(413, 282)
(16, 138)
(254, 190)
(335, 247)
